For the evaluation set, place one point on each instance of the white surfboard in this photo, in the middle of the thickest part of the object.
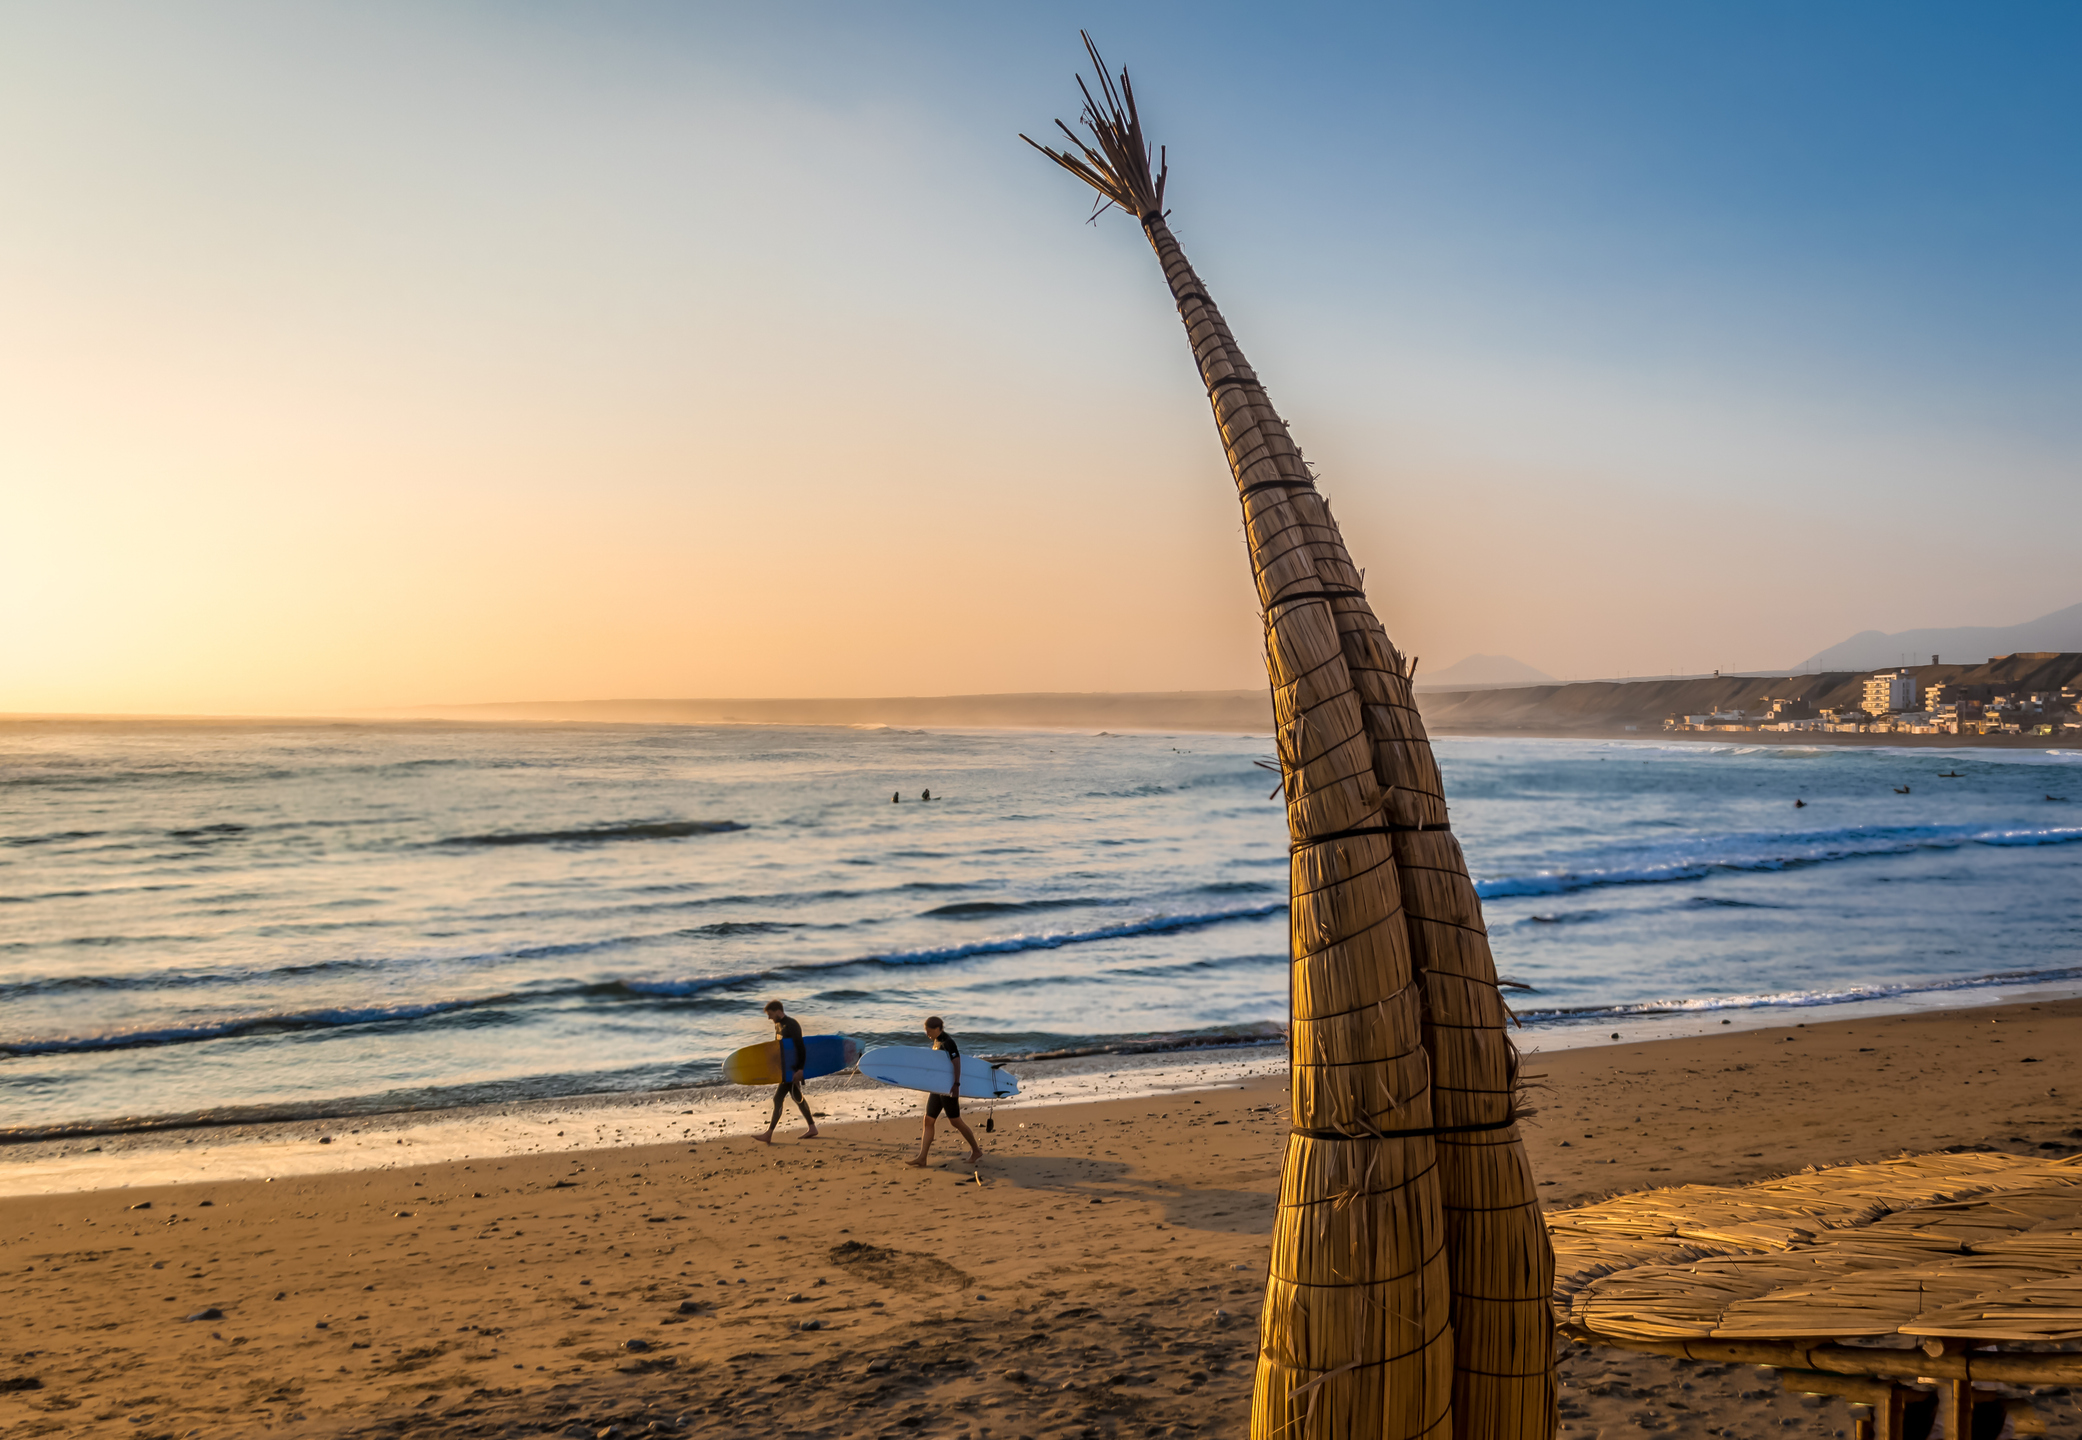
(913, 1067)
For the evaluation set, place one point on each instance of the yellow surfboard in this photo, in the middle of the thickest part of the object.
(761, 1064)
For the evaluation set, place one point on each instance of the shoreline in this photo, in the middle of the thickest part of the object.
(2071, 744)
(93, 1159)
(385, 1140)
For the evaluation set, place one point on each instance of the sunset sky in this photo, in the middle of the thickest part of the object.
(367, 355)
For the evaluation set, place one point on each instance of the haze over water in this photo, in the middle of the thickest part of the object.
(318, 918)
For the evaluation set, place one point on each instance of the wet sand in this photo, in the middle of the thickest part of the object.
(288, 1148)
(1102, 1279)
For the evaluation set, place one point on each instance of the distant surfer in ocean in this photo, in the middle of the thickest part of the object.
(795, 1058)
(937, 1105)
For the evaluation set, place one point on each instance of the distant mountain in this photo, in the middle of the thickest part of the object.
(1483, 672)
(1960, 645)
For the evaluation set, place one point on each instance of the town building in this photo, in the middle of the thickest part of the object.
(1890, 691)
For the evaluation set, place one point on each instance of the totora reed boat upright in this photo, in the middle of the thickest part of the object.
(1410, 1267)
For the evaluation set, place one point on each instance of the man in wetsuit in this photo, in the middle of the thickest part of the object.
(795, 1058)
(948, 1104)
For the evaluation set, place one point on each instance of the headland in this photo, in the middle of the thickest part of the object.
(2025, 701)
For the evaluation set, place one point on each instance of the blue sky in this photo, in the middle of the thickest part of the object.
(374, 354)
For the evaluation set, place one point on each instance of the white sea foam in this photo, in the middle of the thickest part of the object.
(1694, 858)
(1808, 999)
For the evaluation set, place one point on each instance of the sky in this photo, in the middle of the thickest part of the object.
(370, 355)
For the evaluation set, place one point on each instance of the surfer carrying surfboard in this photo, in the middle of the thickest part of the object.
(948, 1104)
(795, 1058)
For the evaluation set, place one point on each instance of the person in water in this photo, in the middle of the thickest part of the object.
(948, 1104)
(795, 1058)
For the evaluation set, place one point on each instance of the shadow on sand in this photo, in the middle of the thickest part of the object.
(1085, 1182)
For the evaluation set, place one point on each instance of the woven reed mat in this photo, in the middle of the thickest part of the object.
(1979, 1247)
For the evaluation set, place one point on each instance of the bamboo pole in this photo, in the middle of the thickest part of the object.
(1410, 1269)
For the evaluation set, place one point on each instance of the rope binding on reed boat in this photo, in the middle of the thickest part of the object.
(1309, 1133)
(1257, 485)
(1301, 595)
(1443, 827)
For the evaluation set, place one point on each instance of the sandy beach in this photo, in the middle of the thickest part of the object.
(568, 552)
(1099, 1276)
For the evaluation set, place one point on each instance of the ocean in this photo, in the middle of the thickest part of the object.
(259, 921)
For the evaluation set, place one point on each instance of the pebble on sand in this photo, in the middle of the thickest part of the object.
(211, 1313)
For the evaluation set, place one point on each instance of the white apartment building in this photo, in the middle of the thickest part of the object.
(1889, 692)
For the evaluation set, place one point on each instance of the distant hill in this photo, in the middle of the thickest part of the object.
(1482, 671)
(1959, 645)
(1608, 706)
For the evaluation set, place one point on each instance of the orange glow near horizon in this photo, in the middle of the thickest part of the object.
(354, 361)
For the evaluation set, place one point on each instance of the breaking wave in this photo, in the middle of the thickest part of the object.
(340, 1017)
(327, 1018)
(597, 834)
(1799, 999)
(986, 909)
(1695, 859)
